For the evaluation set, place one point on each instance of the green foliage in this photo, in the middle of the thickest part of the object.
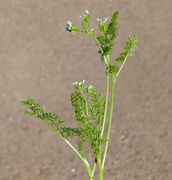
(85, 23)
(33, 108)
(53, 120)
(97, 104)
(79, 104)
(85, 17)
(81, 147)
(110, 33)
(129, 49)
(69, 132)
(91, 134)
(103, 25)
(85, 112)
(112, 29)
(112, 69)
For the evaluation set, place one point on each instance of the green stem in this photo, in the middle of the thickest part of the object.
(121, 67)
(106, 105)
(94, 167)
(110, 122)
(89, 171)
(105, 112)
(97, 42)
(100, 168)
(107, 92)
(111, 111)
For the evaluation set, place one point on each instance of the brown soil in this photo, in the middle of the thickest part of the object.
(38, 59)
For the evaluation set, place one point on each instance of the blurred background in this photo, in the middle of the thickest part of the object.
(39, 60)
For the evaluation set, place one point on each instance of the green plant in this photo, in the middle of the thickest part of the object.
(89, 105)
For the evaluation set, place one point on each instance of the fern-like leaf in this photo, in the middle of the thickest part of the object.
(110, 33)
(33, 108)
(129, 49)
(91, 134)
(81, 147)
(97, 104)
(112, 26)
(79, 104)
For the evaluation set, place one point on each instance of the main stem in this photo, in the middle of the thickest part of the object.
(110, 121)
(105, 109)
(100, 167)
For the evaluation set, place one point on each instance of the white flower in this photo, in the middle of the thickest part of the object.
(75, 83)
(69, 24)
(79, 83)
(90, 87)
(82, 82)
(102, 21)
(106, 19)
(79, 86)
(85, 14)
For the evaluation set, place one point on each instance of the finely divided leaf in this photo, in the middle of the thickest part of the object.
(110, 33)
(86, 110)
(52, 119)
(129, 49)
(81, 147)
(96, 106)
(79, 104)
(112, 26)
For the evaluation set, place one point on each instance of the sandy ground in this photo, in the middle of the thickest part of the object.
(38, 59)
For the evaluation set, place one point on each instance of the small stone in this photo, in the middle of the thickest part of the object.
(73, 170)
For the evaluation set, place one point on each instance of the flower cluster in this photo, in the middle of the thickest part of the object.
(85, 17)
(69, 25)
(89, 89)
(79, 85)
(103, 25)
(102, 21)
(71, 28)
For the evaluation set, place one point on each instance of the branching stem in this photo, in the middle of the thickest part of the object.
(110, 122)
(89, 171)
(100, 168)
(106, 103)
